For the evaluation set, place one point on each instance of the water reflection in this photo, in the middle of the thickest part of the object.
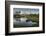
(23, 22)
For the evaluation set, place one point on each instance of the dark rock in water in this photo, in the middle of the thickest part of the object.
(28, 20)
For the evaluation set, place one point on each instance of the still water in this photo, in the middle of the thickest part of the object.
(23, 22)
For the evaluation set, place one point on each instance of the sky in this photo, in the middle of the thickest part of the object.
(27, 10)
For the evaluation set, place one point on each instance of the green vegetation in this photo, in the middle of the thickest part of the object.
(32, 17)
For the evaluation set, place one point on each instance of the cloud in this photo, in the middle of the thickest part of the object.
(26, 10)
